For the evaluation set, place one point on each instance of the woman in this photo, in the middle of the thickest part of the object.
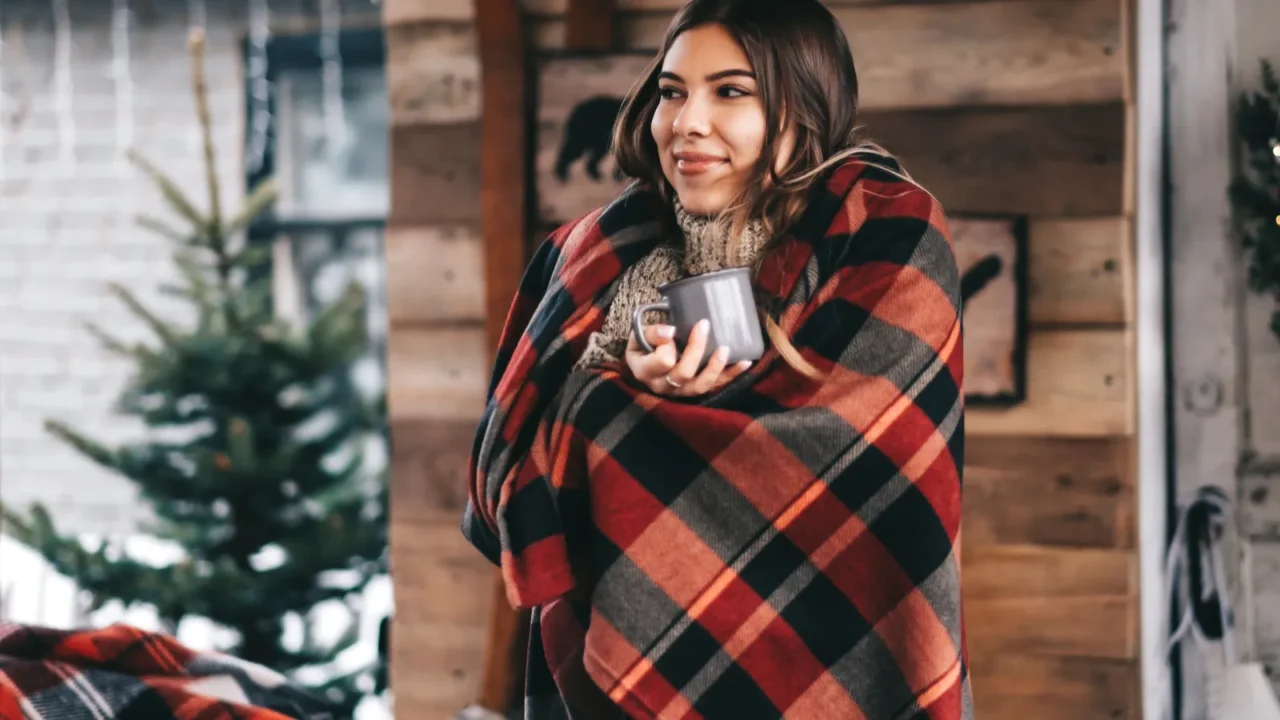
(745, 541)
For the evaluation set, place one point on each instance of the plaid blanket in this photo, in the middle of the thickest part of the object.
(782, 547)
(123, 673)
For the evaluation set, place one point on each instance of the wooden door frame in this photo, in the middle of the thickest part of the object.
(1147, 133)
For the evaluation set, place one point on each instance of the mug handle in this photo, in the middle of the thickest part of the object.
(637, 320)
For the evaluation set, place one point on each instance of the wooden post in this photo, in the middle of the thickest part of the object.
(504, 224)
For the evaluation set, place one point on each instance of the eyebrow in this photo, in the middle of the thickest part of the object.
(666, 74)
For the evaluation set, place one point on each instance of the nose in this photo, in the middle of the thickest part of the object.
(694, 118)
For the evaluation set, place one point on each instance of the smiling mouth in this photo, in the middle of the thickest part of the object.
(696, 163)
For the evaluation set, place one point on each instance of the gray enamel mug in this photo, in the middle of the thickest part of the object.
(724, 298)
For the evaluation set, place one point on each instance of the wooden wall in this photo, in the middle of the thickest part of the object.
(1008, 106)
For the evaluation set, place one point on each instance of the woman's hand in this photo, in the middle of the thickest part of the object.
(665, 374)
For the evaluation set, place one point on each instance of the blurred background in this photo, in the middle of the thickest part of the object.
(249, 288)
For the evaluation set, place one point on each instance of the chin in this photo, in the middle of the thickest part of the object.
(702, 202)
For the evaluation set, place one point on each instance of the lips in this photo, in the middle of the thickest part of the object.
(695, 163)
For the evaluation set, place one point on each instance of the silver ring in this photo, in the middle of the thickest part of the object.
(671, 382)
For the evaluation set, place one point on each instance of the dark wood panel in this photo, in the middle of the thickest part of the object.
(1092, 627)
(504, 225)
(1079, 384)
(1048, 491)
(1043, 161)
(1011, 686)
(435, 173)
(1027, 571)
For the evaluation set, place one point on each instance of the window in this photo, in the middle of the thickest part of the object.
(326, 228)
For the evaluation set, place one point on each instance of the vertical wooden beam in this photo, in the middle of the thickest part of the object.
(504, 225)
(1206, 279)
(589, 25)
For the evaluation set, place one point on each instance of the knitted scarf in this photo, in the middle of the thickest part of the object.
(704, 248)
(786, 546)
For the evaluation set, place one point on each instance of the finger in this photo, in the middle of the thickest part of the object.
(732, 372)
(687, 368)
(707, 379)
(650, 367)
(655, 335)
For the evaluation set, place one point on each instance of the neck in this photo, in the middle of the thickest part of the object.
(708, 246)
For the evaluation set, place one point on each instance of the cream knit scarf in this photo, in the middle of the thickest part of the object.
(704, 249)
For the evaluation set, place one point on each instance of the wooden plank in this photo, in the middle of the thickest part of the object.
(1078, 385)
(429, 468)
(589, 24)
(1080, 271)
(1046, 162)
(910, 56)
(1094, 627)
(437, 373)
(442, 606)
(1048, 491)
(435, 174)
(1009, 686)
(433, 274)
(396, 12)
(433, 73)
(939, 55)
(1026, 571)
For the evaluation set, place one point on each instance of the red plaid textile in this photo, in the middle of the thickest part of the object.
(123, 673)
(785, 547)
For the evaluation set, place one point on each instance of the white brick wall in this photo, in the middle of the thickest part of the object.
(65, 231)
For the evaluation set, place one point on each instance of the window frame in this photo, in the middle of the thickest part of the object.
(359, 47)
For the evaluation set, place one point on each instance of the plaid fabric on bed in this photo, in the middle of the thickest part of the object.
(782, 548)
(123, 673)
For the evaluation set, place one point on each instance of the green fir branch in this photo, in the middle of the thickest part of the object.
(169, 189)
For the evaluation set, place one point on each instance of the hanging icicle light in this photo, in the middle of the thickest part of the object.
(62, 85)
(121, 73)
(335, 120)
(197, 18)
(259, 84)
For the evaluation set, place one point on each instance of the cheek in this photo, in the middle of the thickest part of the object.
(660, 128)
(744, 133)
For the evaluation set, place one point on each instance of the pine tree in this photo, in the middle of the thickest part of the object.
(253, 445)
(1255, 192)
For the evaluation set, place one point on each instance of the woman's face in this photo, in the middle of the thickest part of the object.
(709, 125)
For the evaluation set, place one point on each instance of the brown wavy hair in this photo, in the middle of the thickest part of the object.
(807, 83)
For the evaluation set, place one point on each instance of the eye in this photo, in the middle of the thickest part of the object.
(732, 91)
(668, 93)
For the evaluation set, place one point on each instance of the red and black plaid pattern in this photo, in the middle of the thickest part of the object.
(786, 547)
(123, 673)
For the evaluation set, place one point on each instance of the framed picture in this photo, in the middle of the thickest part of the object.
(991, 253)
(577, 99)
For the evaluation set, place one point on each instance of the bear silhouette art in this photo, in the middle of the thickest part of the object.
(588, 133)
(979, 276)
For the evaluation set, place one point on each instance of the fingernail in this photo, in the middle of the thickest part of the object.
(704, 325)
(723, 352)
(666, 331)
(745, 364)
